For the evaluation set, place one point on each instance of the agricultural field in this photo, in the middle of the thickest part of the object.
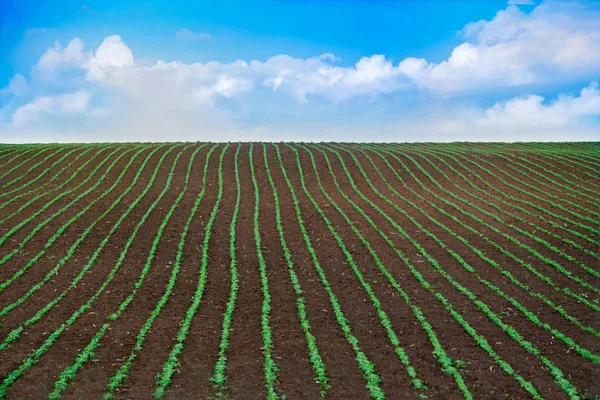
(300, 271)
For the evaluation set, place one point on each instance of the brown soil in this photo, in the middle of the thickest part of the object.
(295, 375)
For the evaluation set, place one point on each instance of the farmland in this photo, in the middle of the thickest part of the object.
(261, 270)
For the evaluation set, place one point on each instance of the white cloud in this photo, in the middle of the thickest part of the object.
(56, 56)
(63, 105)
(17, 86)
(186, 34)
(524, 118)
(530, 111)
(554, 43)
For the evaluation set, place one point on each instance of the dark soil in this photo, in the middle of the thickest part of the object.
(296, 376)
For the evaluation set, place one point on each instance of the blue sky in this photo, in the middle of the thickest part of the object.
(404, 70)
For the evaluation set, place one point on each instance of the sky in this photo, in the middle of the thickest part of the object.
(299, 70)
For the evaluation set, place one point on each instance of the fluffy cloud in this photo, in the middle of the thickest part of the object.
(554, 43)
(524, 118)
(17, 86)
(70, 104)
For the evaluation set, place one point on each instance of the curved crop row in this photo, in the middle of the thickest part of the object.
(538, 159)
(555, 186)
(383, 317)
(219, 377)
(163, 379)
(564, 271)
(512, 203)
(562, 161)
(40, 196)
(15, 333)
(38, 227)
(25, 161)
(34, 166)
(555, 371)
(547, 245)
(366, 366)
(52, 179)
(448, 366)
(57, 235)
(524, 310)
(569, 186)
(535, 196)
(36, 354)
(69, 372)
(45, 171)
(7, 152)
(563, 227)
(313, 350)
(72, 250)
(270, 368)
(123, 372)
(445, 361)
(494, 264)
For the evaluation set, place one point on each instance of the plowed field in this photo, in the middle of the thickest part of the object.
(300, 271)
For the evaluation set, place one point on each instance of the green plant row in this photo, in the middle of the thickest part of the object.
(579, 162)
(56, 189)
(556, 186)
(538, 255)
(512, 203)
(8, 152)
(583, 161)
(14, 229)
(313, 349)
(69, 373)
(384, 319)
(540, 160)
(35, 355)
(170, 366)
(25, 161)
(526, 312)
(525, 233)
(562, 253)
(15, 333)
(575, 187)
(556, 373)
(528, 193)
(52, 179)
(30, 182)
(34, 166)
(445, 361)
(366, 366)
(270, 368)
(58, 234)
(448, 366)
(494, 264)
(471, 160)
(219, 377)
(123, 372)
(479, 339)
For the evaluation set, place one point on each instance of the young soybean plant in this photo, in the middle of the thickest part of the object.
(373, 380)
(33, 357)
(68, 374)
(219, 377)
(123, 372)
(170, 366)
